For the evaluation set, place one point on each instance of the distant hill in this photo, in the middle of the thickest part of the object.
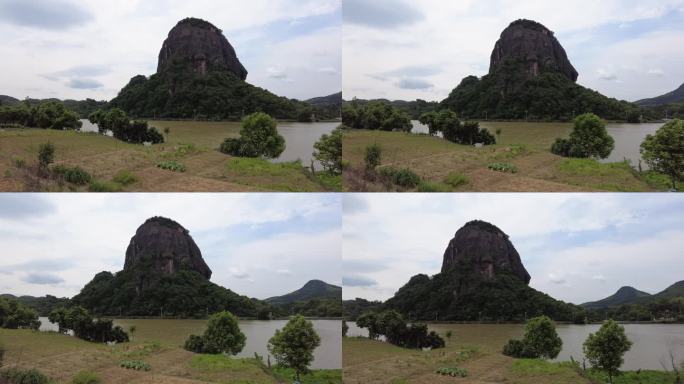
(334, 99)
(82, 107)
(8, 100)
(414, 108)
(676, 96)
(43, 305)
(624, 295)
(630, 295)
(314, 289)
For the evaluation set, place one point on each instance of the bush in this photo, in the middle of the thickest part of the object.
(171, 165)
(453, 372)
(663, 151)
(428, 186)
(373, 157)
(104, 186)
(124, 177)
(328, 151)
(588, 138)
(74, 175)
(223, 335)
(503, 167)
(138, 365)
(540, 341)
(395, 329)
(605, 348)
(86, 377)
(79, 320)
(24, 376)
(46, 154)
(402, 177)
(293, 345)
(456, 180)
(454, 130)
(258, 138)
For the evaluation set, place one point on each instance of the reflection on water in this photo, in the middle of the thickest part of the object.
(327, 356)
(652, 342)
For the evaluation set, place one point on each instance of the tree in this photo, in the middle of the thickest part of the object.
(588, 138)
(605, 348)
(258, 138)
(293, 345)
(430, 119)
(540, 341)
(664, 151)
(46, 154)
(373, 156)
(328, 151)
(223, 334)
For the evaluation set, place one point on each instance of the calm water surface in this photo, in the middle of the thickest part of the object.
(299, 137)
(652, 342)
(327, 356)
(628, 138)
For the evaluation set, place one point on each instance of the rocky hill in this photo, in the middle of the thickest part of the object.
(482, 278)
(676, 96)
(530, 77)
(313, 289)
(164, 273)
(624, 295)
(200, 76)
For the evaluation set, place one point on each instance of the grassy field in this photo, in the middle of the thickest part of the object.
(190, 144)
(524, 146)
(368, 361)
(62, 357)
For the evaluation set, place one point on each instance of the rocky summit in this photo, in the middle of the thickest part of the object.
(199, 46)
(162, 246)
(533, 48)
(482, 249)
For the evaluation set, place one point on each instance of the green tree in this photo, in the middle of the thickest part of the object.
(373, 157)
(293, 346)
(664, 151)
(605, 348)
(223, 334)
(46, 154)
(258, 138)
(328, 151)
(541, 337)
(589, 138)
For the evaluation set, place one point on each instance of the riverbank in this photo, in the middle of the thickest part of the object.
(368, 361)
(444, 166)
(119, 166)
(62, 357)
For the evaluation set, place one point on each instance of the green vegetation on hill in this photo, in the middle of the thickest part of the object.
(50, 114)
(82, 107)
(43, 305)
(502, 298)
(14, 315)
(549, 96)
(624, 295)
(355, 308)
(313, 289)
(629, 304)
(413, 108)
(375, 115)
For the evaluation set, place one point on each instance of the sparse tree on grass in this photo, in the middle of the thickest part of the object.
(605, 349)
(46, 155)
(293, 346)
(328, 151)
(373, 157)
(664, 151)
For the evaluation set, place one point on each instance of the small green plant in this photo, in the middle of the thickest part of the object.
(455, 179)
(373, 157)
(24, 376)
(104, 186)
(171, 165)
(19, 163)
(503, 167)
(125, 177)
(86, 377)
(401, 177)
(429, 186)
(453, 372)
(75, 175)
(138, 365)
(46, 154)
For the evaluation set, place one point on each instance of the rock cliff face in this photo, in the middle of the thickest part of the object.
(201, 47)
(480, 249)
(533, 48)
(161, 246)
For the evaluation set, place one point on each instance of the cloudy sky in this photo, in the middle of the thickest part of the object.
(90, 48)
(400, 49)
(259, 245)
(576, 247)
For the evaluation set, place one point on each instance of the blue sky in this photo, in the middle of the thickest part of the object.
(576, 247)
(622, 48)
(259, 245)
(79, 49)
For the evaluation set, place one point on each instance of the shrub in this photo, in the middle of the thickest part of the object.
(401, 177)
(258, 138)
(373, 157)
(328, 151)
(195, 344)
(395, 329)
(540, 341)
(503, 167)
(293, 345)
(664, 151)
(453, 372)
(104, 186)
(24, 376)
(171, 165)
(456, 180)
(86, 377)
(124, 177)
(428, 186)
(588, 138)
(19, 163)
(605, 348)
(223, 335)
(46, 154)
(75, 175)
(79, 320)
(138, 365)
